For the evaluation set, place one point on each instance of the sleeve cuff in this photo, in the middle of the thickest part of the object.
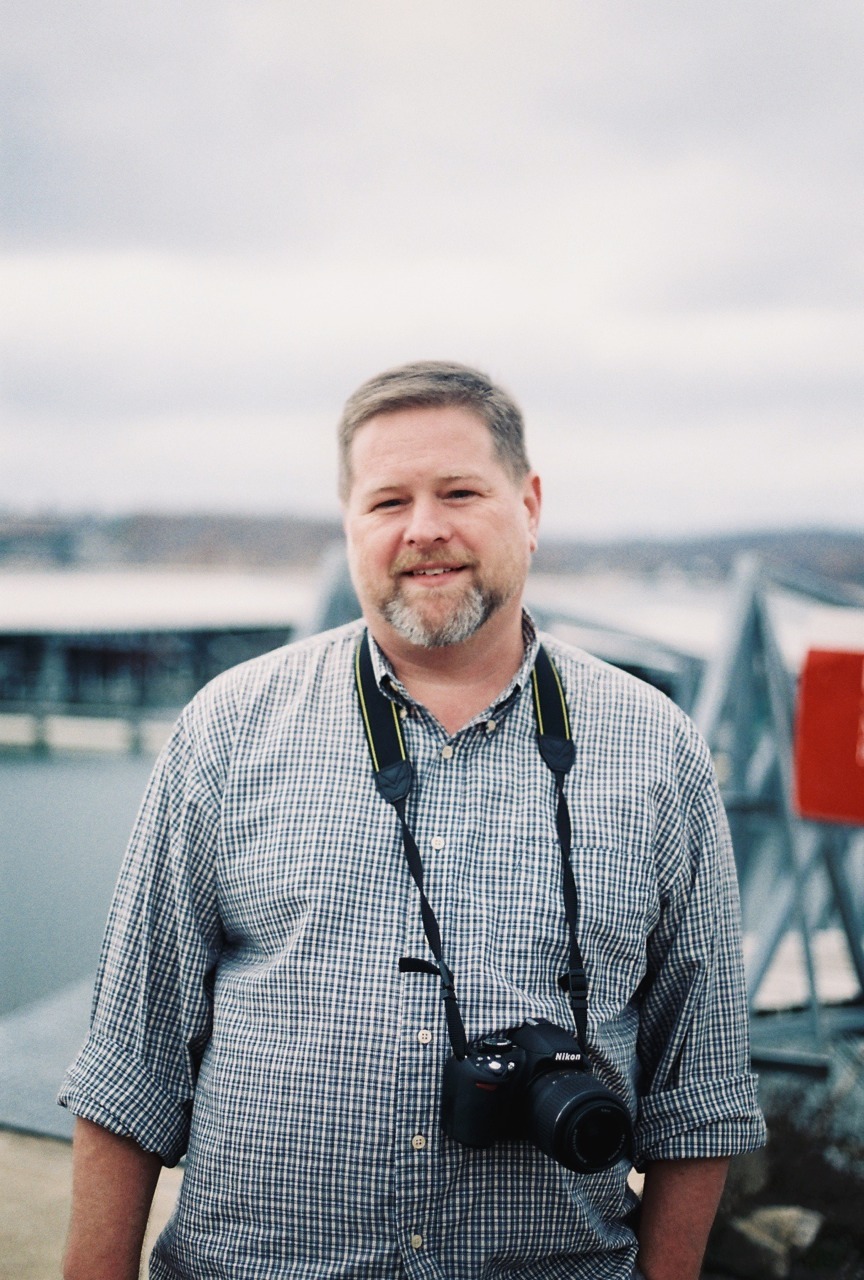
(703, 1119)
(110, 1087)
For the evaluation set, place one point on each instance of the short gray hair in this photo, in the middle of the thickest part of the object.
(428, 384)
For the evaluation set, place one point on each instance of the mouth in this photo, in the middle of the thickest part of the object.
(434, 573)
(437, 572)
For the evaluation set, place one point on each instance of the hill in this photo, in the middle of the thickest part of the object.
(273, 542)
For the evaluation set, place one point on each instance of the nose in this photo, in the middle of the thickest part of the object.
(428, 521)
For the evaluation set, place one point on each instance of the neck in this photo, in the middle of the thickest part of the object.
(456, 682)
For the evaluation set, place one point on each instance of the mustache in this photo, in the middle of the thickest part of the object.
(408, 563)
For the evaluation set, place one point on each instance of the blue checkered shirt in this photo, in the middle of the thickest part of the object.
(250, 1009)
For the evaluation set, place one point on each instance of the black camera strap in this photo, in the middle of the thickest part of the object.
(394, 777)
(556, 747)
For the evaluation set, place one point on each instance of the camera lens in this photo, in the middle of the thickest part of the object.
(577, 1121)
(597, 1133)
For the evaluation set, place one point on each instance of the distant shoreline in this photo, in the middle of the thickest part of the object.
(237, 541)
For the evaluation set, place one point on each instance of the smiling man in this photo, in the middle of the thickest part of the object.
(427, 931)
(441, 542)
(441, 520)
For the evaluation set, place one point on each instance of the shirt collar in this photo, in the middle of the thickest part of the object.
(392, 687)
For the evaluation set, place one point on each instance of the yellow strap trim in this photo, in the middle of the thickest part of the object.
(563, 701)
(375, 765)
(537, 710)
(398, 729)
(369, 737)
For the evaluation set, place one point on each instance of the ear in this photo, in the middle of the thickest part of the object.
(532, 497)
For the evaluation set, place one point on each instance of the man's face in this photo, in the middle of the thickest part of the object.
(439, 533)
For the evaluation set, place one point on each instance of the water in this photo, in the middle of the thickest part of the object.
(64, 823)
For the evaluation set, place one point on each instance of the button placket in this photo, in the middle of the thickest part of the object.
(417, 1154)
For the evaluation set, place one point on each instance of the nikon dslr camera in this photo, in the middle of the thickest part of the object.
(532, 1082)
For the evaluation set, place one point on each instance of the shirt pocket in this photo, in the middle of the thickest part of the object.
(617, 908)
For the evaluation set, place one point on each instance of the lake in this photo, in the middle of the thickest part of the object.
(64, 823)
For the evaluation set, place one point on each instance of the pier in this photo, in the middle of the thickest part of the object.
(103, 660)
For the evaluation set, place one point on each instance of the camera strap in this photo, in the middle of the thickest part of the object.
(555, 741)
(394, 777)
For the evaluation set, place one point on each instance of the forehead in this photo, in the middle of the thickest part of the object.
(444, 439)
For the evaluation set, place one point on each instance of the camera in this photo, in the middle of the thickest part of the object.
(533, 1082)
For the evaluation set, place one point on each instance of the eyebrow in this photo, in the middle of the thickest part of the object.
(457, 478)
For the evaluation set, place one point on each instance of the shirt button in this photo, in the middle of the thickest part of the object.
(437, 842)
(491, 726)
(403, 713)
(424, 1036)
(416, 1241)
(447, 752)
(418, 1142)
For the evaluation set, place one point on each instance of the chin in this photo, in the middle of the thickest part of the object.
(440, 628)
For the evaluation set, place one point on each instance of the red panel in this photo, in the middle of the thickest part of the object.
(829, 737)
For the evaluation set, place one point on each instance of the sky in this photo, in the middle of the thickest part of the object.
(645, 221)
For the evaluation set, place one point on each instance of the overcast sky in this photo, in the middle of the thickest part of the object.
(646, 220)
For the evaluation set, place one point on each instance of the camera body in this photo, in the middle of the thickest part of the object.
(532, 1082)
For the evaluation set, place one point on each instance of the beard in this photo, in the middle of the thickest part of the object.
(465, 619)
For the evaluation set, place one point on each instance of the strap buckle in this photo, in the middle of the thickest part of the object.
(575, 983)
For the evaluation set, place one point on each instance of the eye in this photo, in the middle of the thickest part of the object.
(386, 504)
(461, 494)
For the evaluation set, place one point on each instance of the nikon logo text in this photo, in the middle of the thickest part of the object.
(566, 1057)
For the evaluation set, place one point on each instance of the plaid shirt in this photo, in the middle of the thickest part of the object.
(250, 1009)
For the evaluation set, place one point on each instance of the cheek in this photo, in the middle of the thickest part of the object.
(369, 556)
(514, 544)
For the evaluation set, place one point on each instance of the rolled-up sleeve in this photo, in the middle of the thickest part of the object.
(698, 1096)
(151, 1015)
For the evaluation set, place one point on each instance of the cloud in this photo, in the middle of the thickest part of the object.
(263, 124)
(131, 323)
(644, 221)
(609, 475)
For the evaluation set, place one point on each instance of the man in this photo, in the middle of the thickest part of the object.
(267, 1000)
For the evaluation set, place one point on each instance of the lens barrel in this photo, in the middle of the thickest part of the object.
(577, 1121)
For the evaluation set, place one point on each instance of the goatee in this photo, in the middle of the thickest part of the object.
(465, 621)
